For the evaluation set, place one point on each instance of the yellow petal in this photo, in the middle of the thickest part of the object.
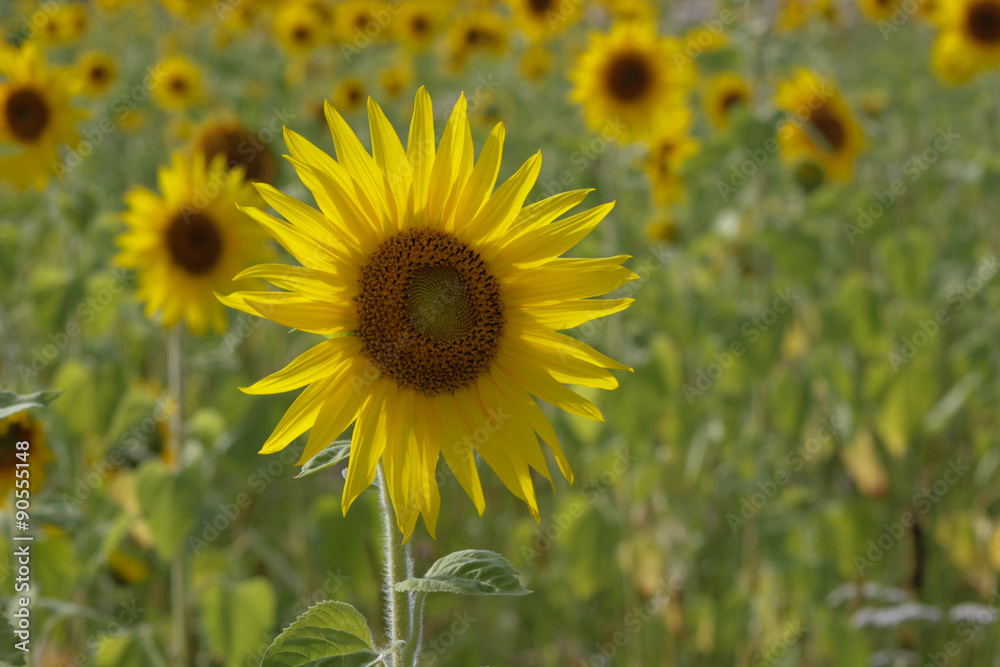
(571, 313)
(299, 418)
(367, 443)
(537, 382)
(339, 410)
(552, 240)
(503, 205)
(322, 360)
(481, 181)
(420, 149)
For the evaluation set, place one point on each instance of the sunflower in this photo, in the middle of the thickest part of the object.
(240, 146)
(189, 240)
(795, 14)
(350, 94)
(535, 63)
(641, 11)
(632, 75)
(66, 24)
(299, 27)
(417, 24)
(667, 153)
(878, 10)
(188, 9)
(180, 84)
(441, 301)
(950, 59)
(35, 115)
(358, 20)
(976, 25)
(396, 78)
(725, 92)
(96, 70)
(21, 427)
(544, 18)
(479, 32)
(822, 128)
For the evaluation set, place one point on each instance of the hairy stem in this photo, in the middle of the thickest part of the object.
(401, 620)
(175, 439)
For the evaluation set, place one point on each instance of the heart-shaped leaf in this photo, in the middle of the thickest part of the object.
(330, 634)
(469, 572)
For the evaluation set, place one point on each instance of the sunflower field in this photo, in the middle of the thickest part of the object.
(305, 306)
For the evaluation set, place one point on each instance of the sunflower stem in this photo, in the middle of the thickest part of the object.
(175, 438)
(400, 608)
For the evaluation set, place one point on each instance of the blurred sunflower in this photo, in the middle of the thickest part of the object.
(535, 63)
(358, 20)
(190, 239)
(240, 146)
(36, 115)
(96, 71)
(725, 91)
(878, 10)
(188, 9)
(630, 74)
(17, 428)
(931, 11)
(950, 59)
(441, 299)
(180, 84)
(397, 78)
(113, 5)
(540, 19)
(66, 24)
(479, 32)
(823, 129)
(976, 25)
(350, 94)
(418, 24)
(299, 27)
(126, 569)
(667, 153)
(641, 11)
(795, 14)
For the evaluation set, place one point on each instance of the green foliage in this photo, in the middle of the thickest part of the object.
(11, 403)
(335, 453)
(236, 616)
(170, 501)
(469, 572)
(330, 634)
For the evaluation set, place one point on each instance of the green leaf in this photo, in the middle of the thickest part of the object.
(237, 616)
(170, 501)
(120, 651)
(469, 572)
(9, 655)
(334, 453)
(11, 403)
(330, 634)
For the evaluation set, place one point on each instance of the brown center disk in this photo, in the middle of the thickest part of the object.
(829, 127)
(241, 148)
(194, 243)
(540, 6)
(629, 77)
(8, 445)
(27, 114)
(983, 22)
(731, 99)
(420, 25)
(430, 311)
